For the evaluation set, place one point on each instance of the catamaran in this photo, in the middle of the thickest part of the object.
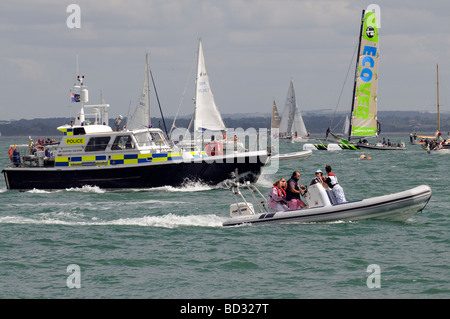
(136, 156)
(363, 116)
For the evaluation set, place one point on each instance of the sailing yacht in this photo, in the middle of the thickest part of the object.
(275, 121)
(209, 131)
(274, 129)
(292, 127)
(437, 144)
(206, 113)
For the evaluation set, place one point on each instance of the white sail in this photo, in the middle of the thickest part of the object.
(291, 120)
(141, 115)
(206, 114)
(298, 126)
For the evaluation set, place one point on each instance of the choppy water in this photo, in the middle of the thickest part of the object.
(169, 243)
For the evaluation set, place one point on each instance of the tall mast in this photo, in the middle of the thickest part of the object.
(147, 72)
(438, 114)
(356, 74)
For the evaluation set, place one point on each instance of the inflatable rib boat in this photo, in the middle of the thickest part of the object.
(322, 207)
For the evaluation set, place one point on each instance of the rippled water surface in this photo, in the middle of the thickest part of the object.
(169, 242)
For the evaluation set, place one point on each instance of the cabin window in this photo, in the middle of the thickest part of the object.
(122, 142)
(143, 139)
(157, 139)
(79, 131)
(96, 144)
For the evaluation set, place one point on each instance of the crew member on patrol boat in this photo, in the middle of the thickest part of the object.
(16, 156)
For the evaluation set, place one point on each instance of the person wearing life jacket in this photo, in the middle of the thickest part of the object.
(332, 183)
(277, 196)
(16, 156)
(214, 148)
(293, 192)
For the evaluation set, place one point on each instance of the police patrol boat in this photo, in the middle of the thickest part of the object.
(322, 207)
(92, 153)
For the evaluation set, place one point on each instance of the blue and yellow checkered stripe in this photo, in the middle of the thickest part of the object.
(116, 159)
(198, 155)
(67, 131)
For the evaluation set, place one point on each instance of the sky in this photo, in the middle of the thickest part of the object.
(252, 48)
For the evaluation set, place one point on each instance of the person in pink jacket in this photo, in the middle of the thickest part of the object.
(277, 196)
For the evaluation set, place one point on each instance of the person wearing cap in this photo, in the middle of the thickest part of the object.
(319, 178)
(293, 192)
(332, 182)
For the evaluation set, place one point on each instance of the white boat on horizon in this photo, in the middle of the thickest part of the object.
(292, 127)
(322, 207)
(301, 155)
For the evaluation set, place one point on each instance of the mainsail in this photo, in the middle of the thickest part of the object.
(275, 121)
(206, 114)
(141, 115)
(291, 119)
(364, 121)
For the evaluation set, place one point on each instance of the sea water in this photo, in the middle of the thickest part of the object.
(169, 242)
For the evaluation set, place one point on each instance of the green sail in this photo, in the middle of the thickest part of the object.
(364, 110)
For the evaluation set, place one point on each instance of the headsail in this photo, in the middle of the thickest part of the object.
(206, 114)
(364, 121)
(141, 115)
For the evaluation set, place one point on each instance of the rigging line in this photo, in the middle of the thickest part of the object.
(159, 104)
(182, 97)
(343, 85)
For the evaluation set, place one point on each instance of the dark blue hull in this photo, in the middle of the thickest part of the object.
(135, 176)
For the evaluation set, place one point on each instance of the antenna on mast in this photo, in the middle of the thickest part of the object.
(78, 73)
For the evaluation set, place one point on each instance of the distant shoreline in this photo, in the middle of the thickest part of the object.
(392, 122)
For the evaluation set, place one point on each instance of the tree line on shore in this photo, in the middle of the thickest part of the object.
(391, 121)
